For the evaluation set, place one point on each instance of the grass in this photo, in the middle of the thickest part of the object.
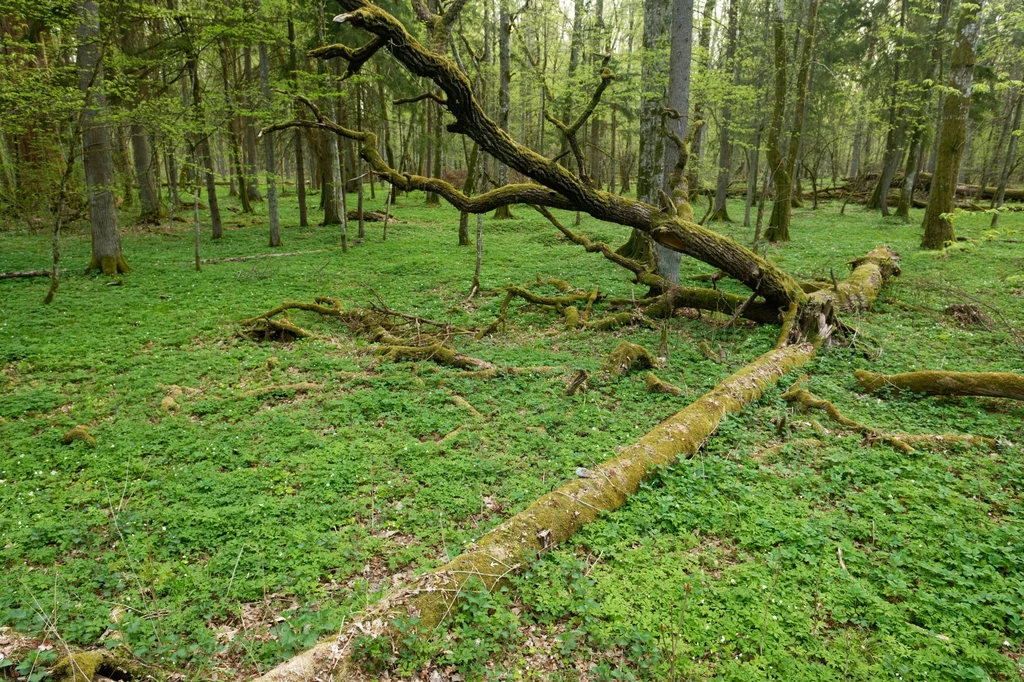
(238, 529)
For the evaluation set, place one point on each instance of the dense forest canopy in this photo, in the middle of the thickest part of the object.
(877, 76)
(684, 203)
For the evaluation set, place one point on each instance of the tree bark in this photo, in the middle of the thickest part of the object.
(895, 130)
(697, 150)
(300, 163)
(268, 151)
(142, 157)
(504, 87)
(1011, 154)
(776, 162)
(778, 227)
(97, 156)
(252, 181)
(938, 228)
(650, 176)
(719, 211)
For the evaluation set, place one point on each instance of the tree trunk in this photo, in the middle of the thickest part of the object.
(252, 182)
(697, 150)
(938, 228)
(1011, 155)
(268, 150)
(504, 87)
(328, 190)
(97, 157)
(142, 157)
(300, 164)
(778, 227)
(997, 152)
(467, 188)
(650, 179)
(894, 132)
(992, 384)
(776, 162)
(753, 164)
(230, 80)
(719, 211)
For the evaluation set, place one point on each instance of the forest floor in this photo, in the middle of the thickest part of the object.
(233, 528)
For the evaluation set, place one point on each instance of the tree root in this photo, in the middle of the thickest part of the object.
(439, 353)
(552, 519)
(464, 404)
(272, 329)
(656, 385)
(627, 356)
(991, 384)
(898, 441)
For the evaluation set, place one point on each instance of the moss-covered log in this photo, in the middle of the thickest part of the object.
(899, 441)
(550, 520)
(104, 664)
(991, 384)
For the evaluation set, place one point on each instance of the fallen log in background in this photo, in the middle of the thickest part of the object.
(991, 384)
(24, 274)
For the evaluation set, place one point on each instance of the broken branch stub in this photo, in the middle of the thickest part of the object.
(627, 356)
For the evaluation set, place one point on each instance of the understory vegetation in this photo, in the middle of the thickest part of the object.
(232, 501)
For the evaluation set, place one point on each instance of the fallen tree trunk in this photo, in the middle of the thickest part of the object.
(27, 273)
(553, 518)
(991, 384)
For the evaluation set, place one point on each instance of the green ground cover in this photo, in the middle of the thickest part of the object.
(237, 529)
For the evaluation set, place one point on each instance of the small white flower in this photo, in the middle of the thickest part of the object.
(1006, 642)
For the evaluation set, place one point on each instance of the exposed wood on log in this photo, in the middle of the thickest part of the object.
(991, 384)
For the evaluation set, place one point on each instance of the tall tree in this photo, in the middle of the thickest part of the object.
(504, 88)
(300, 165)
(938, 225)
(269, 161)
(719, 211)
(778, 230)
(97, 155)
(776, 170)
